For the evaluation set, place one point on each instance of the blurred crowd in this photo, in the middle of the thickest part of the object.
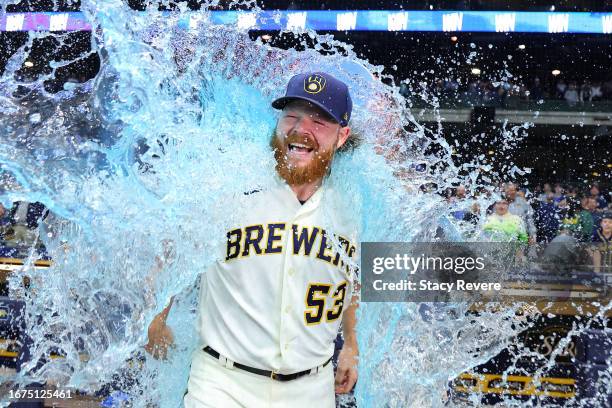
(548, 214)
(19, 228)
(508, 94)
(557, 214)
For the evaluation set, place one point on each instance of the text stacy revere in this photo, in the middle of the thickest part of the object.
(426, 285)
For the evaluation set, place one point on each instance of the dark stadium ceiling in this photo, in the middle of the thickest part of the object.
(405, 55)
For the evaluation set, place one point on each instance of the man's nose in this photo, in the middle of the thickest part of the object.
(302, 125)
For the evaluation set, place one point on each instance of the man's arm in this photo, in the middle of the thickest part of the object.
(159, 334)
(346, 373)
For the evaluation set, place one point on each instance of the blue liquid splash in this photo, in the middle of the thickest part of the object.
(138, 166)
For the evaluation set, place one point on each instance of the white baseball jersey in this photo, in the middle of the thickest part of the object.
(275, 299)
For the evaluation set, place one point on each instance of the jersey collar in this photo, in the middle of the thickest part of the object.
(311, 204)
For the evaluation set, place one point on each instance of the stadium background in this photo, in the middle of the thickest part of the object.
(473, 83)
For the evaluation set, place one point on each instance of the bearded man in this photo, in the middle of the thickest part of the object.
(271, 308)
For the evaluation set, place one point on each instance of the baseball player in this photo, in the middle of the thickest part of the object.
(271, 308)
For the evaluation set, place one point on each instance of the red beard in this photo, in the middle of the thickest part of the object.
(293, 174)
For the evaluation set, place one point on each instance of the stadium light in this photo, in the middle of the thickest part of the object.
(556, 72)
(476, 71)
(521, 46)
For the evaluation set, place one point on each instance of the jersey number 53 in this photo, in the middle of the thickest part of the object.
(319, 303)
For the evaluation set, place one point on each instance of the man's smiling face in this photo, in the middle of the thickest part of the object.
(305, 141)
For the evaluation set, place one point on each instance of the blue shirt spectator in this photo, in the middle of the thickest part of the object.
(547, 219)
(602, 203)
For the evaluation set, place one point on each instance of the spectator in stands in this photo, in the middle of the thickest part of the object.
(596, 92)
(460, 193)
(567, 218)
(586, 222)
(500, 97)
(585, 92)
(473, 215)
(523, 91)
(602, 203)
(559, 193)
(448, 194)
(458, 201)
(521, 208)
(572, 199)
(571, 95)
(24, 219)
(537, 92)
(545, 191)
(561, 88)
(537, 190)
(546, 219)
(602, 245)
(505, 226)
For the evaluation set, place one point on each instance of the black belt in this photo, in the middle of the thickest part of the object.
(266, 373)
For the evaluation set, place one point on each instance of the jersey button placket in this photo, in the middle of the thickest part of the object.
(285, 302)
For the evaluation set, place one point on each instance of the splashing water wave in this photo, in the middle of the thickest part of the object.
(138, 166)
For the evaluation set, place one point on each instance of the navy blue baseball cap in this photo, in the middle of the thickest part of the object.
(322, 90)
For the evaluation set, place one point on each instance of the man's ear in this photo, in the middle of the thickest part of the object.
(343, 136)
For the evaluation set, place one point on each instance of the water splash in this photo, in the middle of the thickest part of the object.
(138, 165)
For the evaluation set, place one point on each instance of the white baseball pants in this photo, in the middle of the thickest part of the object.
(211, 384)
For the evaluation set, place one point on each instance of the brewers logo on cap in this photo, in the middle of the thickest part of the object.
(314, 84)
(322, 90)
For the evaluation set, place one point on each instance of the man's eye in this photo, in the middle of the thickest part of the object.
(318, 122)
